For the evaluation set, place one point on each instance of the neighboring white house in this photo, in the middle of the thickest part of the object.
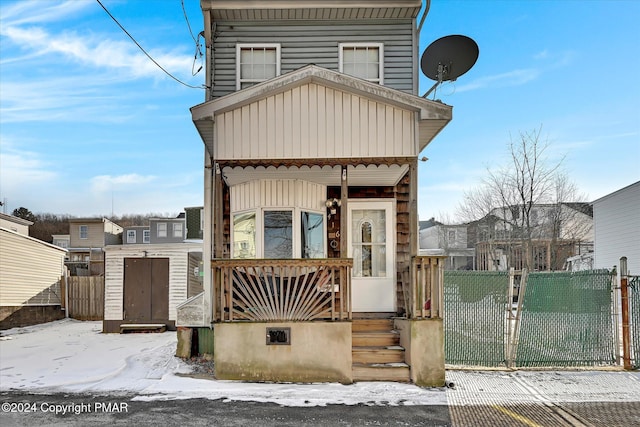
(30, 272)
(616, 218)
(13, 223)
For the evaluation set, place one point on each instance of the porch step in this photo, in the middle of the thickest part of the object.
(375, 339)
(378, 355)
(142, 327)
(372, 325)
(397, 372)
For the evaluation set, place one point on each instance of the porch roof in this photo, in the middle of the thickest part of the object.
(411, 122)
(242, 10)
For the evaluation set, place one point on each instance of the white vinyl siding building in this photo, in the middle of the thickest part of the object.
(616, 219)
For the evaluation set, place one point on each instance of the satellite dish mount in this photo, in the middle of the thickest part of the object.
(448, 58)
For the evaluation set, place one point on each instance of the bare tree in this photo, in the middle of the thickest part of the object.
(522, 202)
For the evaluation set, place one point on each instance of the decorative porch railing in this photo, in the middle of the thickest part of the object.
(264, 290)
(425, 299)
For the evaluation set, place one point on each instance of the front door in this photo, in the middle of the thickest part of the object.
(371, 245)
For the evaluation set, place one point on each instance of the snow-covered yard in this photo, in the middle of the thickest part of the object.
(75, 357)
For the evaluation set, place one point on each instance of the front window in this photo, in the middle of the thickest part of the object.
(177, 230)
(363, 60)
(278, 234)
(162, 229)
(312, 235)
(146, 236)
(84, 232)
(256, 63)
(131, 236)
(244, 235)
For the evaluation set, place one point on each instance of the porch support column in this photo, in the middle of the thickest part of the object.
(207, 250)
(218, 212)
(344, 226)
(413, 208)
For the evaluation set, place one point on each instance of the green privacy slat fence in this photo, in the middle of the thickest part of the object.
(566, 320)
(634, 318)
(474, 317)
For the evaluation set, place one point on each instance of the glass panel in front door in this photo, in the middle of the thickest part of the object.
(369, 242)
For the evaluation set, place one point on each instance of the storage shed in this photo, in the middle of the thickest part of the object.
(144, 283)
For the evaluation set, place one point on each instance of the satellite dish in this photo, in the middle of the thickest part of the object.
(448, 58)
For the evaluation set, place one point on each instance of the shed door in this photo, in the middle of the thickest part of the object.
(371, 245)
(146, 290)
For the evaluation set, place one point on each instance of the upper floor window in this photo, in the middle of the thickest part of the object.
(131, 236)
(162, 229)
(256, 63)
(451, 236)
(146, 236)
(177, 230)
(84, 231)
(363, 60)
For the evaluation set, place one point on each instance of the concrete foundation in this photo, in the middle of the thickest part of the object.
(423, 341)
(318, 352)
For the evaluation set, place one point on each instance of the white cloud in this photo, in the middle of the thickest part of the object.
(105, 183)
(31, 12)
(511, 78)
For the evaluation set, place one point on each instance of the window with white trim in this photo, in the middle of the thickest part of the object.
(177, 229)
(131, 236)
(256, 63)
(279, 233)
(146, 236)
(162, 229)
(84, 231)
(363, 60)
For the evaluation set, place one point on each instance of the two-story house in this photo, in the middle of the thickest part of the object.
(451, 241)
(555, 232)
(312, 126)
(159, 231)
(87, 239)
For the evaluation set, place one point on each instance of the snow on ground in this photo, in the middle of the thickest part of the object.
(75, 357)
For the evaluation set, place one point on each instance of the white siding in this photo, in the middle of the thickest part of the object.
(178, 255)
(278, 193)
(315, 121)
(30, 270)
(617, 228)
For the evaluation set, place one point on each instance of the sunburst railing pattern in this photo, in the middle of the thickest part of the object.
(264, 290)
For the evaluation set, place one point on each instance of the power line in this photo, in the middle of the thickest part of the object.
(145, 52)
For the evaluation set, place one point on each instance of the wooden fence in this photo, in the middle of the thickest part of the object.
(85, 297)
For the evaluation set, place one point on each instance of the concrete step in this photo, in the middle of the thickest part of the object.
(375, 339)
(397, 372)
(377, 355)
(371, 325)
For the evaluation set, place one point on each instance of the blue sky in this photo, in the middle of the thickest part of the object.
(90, 126)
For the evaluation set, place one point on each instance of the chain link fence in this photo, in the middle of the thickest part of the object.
(567, 320)
(634, 319)
(474, 317)
(563, 319)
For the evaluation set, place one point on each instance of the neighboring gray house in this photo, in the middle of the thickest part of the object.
(616, 218)
(136, 234)
(449, 240)
(167, 230)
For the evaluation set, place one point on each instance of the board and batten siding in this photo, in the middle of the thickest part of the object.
(305, 43)
(616, 219)
(278, 193)
(315, 121)
(178, 255)
(30, 270)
